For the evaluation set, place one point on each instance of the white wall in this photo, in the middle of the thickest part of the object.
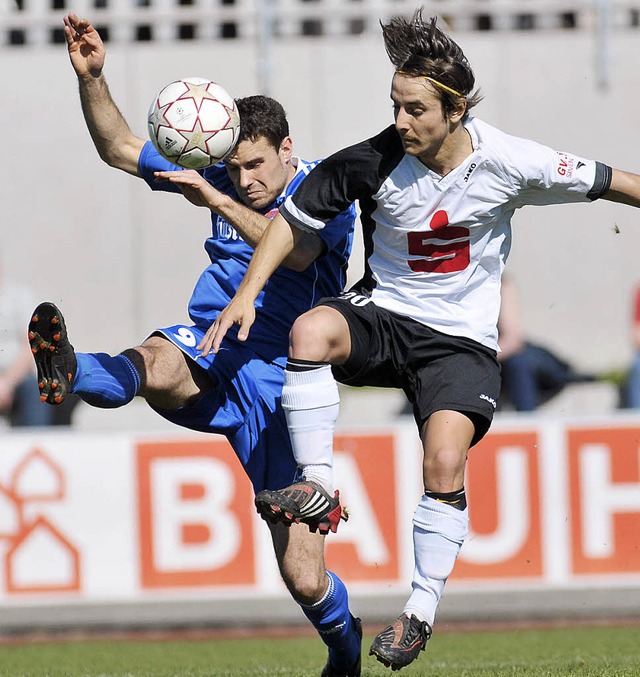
(121, 261)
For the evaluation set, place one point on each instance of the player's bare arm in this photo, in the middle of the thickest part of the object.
(625, 188)
(111, 135)
(279, 240)
(250, 224)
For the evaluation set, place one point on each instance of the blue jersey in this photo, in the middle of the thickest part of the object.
(288, 293)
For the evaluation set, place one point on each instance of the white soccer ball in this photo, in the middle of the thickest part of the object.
(194, 122)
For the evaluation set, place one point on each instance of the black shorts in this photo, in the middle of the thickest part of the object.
(436, 371)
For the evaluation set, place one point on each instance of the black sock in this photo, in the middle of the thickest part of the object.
(456, 499)
(304, 365)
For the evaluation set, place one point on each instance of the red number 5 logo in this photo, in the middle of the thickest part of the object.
(449, 255)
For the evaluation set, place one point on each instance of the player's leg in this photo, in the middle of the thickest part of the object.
(321, 595)
(310, 399)
(439, 529)
(454, 388)
(169, 379)
(441, 519)
(318, 339)
(250, 393)
(156, 370)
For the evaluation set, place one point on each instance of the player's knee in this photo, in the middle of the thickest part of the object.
(307, 338)
(319, 335)
(161, 363)
(443, 468)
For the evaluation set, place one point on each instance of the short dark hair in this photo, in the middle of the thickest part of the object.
(419, 48)
(261, 116)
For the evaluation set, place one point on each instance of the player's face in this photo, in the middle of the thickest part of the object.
(259, 171)
(419, 115)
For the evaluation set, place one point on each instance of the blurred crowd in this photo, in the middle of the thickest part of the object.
(533, 374)
(20, 404)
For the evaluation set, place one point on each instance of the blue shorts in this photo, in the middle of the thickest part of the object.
(245, 406)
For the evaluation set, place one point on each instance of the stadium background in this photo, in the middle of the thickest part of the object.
(120, 261)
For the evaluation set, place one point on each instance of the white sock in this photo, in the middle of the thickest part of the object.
(438, 533)
(310, 400)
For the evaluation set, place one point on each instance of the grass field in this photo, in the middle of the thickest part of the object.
(586, 652)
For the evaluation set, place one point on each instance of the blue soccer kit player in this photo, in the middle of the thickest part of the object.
(236, 392)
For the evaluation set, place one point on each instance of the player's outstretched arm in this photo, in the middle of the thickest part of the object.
(110, 133)
(250, 224)
(278, 241)
(625, 188)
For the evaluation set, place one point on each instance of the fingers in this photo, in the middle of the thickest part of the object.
(205, 345)
(70, 32)
(168, 176)
(245, 325)
(179, 176)
(218, 330)
(70, 21)
(76, 25)
(91, 37)
(76, 30)
(214, 336)
(69, 35)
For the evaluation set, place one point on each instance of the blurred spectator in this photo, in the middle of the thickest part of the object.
(20, 401)
(19, 397)
(531, 373)
(631, 389)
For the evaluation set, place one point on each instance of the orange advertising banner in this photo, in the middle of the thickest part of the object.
(194, 512)
(503, 493)
(604, 489)
(130, 517)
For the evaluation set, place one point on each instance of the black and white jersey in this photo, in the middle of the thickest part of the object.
(435, 247)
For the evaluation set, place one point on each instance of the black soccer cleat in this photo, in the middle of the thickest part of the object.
(305, 502)
(52, 352)
(355, 669)
(400, 643)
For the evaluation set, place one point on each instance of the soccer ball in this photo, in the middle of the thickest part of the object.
(194, 122)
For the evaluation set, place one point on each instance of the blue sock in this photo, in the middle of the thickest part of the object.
(333, 621)
(105, 381)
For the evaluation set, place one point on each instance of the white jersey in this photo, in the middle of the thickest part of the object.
(435, 247)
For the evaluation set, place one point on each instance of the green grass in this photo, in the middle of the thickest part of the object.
(585, 652)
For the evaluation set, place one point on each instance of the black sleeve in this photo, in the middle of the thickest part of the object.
(602, 182)
(354, 173)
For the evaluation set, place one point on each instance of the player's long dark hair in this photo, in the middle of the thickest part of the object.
(261, 116)
(418, 47)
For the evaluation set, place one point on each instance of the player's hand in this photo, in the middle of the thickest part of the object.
(239, 311)
(86, 49)
(193, 186)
